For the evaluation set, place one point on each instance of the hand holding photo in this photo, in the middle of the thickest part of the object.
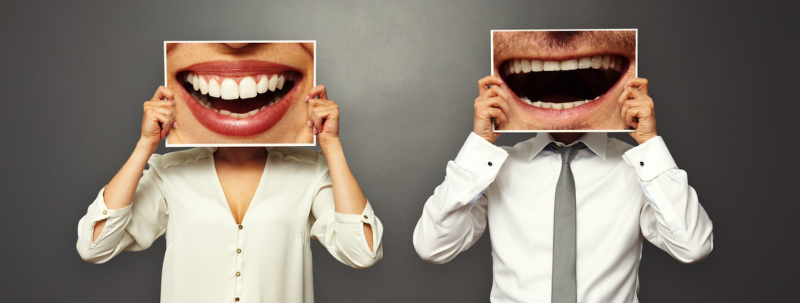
(564, 80)
(240, 93)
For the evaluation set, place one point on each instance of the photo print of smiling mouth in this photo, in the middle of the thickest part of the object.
(239, 98)
(564, 79)
(239, 93)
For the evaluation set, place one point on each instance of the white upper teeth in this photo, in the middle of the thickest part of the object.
(213, 88)
(565, 105)
(247, 87)
(519, 66)
(229, 90)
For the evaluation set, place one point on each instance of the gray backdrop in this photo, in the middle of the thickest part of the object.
(74, 76)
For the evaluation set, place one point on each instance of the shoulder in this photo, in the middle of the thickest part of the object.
(299, 155)
(299, 162)
(179, 158)
(520, 150)
(616, 148)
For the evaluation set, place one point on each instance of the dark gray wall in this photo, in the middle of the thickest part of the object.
(74, 75)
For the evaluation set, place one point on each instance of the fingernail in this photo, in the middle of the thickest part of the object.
(307, 97)
(309, 123)
(175, 124)
(316, 130)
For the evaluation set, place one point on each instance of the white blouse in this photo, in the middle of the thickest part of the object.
(210, 258)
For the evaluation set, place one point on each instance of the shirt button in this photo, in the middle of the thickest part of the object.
(240, 226)
(236, 299)
(105, 211)
(238, 273)
(490, 163)
(366, 217)
(641, 163)
(238, 250)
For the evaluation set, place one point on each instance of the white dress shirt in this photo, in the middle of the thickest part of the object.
(210, 258)
(624, 195)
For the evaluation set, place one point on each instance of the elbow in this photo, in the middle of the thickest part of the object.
(365, 261)
(430, 254)
(91, 256)
(432, 248)
(697, 251)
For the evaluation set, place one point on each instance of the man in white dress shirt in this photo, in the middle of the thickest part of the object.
(623, 195)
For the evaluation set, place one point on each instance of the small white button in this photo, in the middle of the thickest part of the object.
(105, 212)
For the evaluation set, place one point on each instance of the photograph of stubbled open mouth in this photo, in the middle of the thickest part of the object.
(240, 93)
(564, 79)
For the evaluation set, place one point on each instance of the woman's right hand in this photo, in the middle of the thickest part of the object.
(158, 118)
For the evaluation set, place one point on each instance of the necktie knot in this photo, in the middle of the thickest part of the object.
(567, 152)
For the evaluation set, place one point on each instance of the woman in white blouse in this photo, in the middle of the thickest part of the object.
(238, 221)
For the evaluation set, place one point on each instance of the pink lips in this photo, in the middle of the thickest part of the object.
(239, 127)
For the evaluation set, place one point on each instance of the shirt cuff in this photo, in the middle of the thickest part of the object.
(650, 159)
(481, 157)
(101, 212)
(367, 216)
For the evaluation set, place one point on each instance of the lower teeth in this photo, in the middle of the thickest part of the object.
(565, 105)
(203, 100)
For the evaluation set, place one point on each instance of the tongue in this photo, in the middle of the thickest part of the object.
(239, 106)
(559, 98)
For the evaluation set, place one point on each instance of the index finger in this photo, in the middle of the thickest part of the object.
(318, 91)
(639, 83)
(163, 92)
(483, 83)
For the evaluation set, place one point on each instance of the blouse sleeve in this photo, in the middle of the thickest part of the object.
(343, 235)
(133, 228)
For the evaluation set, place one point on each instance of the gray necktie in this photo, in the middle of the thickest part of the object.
(564, 252)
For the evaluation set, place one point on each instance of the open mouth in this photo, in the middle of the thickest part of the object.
(239, 98)
(563, 85)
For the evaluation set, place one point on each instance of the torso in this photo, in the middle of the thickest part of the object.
(208, 198)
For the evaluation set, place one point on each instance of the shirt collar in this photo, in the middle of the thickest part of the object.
(595, 141)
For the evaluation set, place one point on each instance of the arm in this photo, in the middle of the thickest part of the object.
(672, 217)
(454, 218)
(350, 205)
(110, 212)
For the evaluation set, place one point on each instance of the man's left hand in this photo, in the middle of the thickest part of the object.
(637, 110)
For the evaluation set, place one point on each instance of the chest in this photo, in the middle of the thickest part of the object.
(609, 200)
(239, 185)
(201, 199)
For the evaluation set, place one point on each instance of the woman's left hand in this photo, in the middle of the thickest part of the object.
(323, 115)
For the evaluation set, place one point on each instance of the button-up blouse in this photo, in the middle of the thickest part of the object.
(211, 258)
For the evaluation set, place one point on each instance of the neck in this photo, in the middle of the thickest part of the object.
(567, 138)
(240, 155)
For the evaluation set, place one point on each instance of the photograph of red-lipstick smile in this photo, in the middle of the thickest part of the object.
(240, 93)
(564, 80)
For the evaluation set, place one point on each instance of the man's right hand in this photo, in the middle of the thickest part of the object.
(490, 107)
